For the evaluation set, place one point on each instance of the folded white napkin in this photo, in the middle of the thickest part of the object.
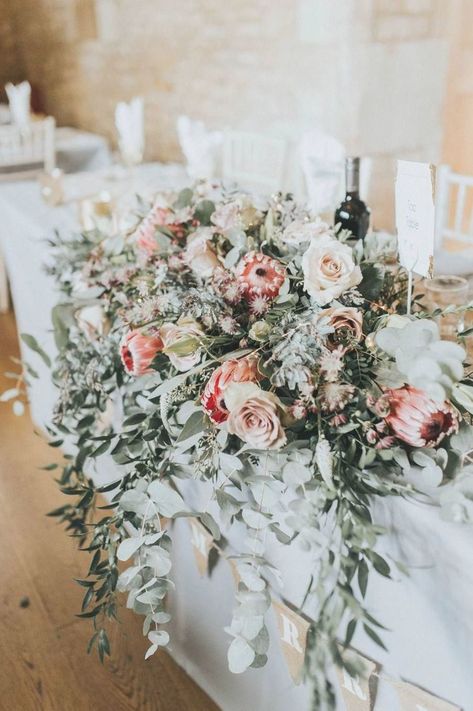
(322, 159)
(129, 121)
(199, 146)
(19, 98)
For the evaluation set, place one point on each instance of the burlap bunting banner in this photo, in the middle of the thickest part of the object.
(355, 690)
(202, 543)
(234, 571)
(293, 629)
(412, 698)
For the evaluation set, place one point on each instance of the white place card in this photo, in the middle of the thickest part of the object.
(415, 216)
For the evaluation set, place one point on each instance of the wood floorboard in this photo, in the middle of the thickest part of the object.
(43, 660)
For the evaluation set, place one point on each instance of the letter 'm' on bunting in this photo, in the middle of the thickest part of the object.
(293, 629)
(355, 690)
(202, 542)
(412, 698)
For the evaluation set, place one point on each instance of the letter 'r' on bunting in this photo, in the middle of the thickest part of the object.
(412, 698)
(293, 629)
(202, 543)
(355, 690)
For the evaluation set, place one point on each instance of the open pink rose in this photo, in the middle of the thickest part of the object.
(231, 371)
(416, 419)
(255, 416)
(137, 352)
(260, 275)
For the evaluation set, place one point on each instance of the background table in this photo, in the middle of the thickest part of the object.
(429, 615)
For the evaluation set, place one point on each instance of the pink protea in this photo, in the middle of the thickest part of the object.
(137, 352)
(145, 232)
(231, 371)
(260, 275)
(416, 419)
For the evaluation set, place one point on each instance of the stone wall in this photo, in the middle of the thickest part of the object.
(371, 72)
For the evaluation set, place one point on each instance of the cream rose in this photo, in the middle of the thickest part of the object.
(199, 255)
(299, 231)
(329, 269)
(182, 342)
(92, 321)
(255, 416)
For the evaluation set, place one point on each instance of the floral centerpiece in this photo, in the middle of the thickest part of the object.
(248, 346)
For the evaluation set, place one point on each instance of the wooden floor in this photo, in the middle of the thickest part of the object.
(43, 660)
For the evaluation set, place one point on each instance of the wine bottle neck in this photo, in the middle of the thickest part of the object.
(352, 176)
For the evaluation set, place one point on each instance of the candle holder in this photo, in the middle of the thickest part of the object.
(443, 291)
(97, 213)
(52, 187)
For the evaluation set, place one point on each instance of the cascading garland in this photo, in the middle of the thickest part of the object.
(252, 347)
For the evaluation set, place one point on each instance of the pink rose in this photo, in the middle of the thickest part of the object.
(346, 321)
(138, 351)
(416, 419)
(182, 342)
(231, 371)
(199, 254)
(260, 275)
(255, 416)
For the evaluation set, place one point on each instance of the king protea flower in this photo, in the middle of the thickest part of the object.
(231, 371)
(416, 419)
(145, 232)
(260, 275)
(138, 351)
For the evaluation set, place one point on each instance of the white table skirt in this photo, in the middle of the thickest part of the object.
(429, 614)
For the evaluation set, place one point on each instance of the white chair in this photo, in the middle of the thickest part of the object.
(254, 161)
(27, 151)
(24, 152)
(453, 223)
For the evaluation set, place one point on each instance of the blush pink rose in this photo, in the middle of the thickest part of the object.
(255, 416)
(138, 351)
(260, 275)
(182, 342)
(231, 371)
(416, 419)
(345, 320)
(199, 254)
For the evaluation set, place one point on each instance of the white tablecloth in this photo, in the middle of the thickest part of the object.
(429, 614)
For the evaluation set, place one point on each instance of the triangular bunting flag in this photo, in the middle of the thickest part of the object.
(202, 543)
(234, 570)
(412, 698)
(293, 629)
(355, 690)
